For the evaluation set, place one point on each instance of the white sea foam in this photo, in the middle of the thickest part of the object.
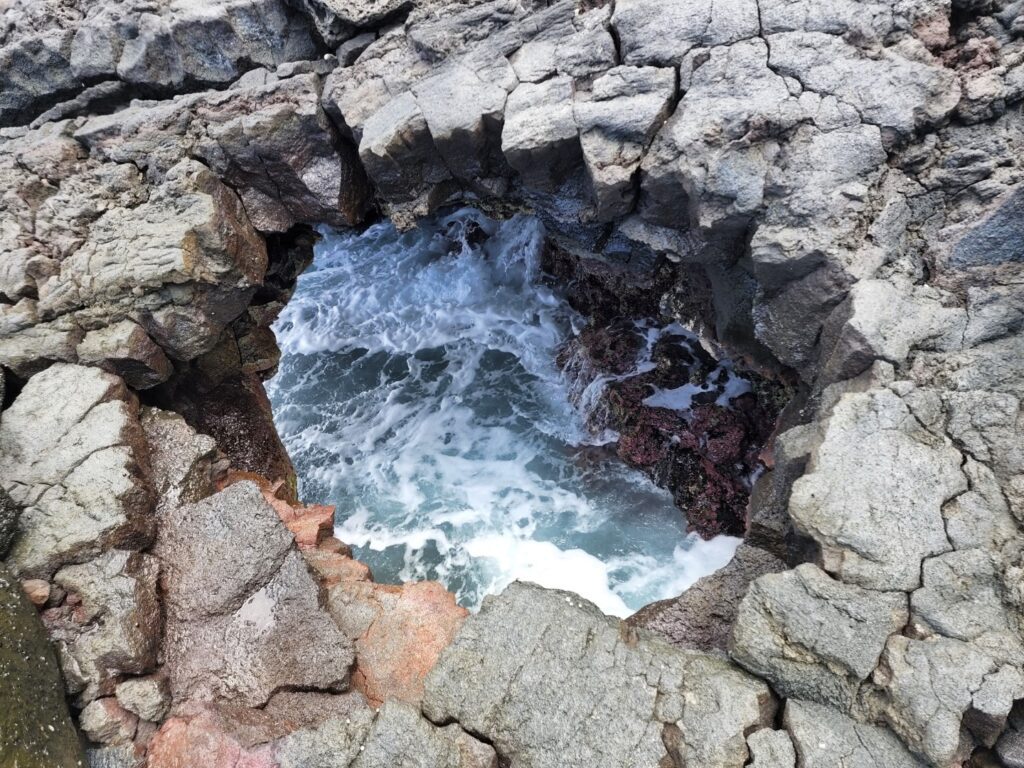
(418, 392)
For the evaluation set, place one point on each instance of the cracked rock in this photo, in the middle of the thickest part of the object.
(814, 638)
(549, 680)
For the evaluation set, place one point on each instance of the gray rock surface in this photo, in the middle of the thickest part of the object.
(238, 595)
(547, 679)
(771, 749)
(72, 454)
(823, 738)
(812, 637)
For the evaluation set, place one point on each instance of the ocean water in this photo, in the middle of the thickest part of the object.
(418, 392)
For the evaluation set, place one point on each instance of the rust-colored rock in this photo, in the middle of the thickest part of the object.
(399, 632)
(202, 737)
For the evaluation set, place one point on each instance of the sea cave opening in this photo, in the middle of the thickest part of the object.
(434, 387)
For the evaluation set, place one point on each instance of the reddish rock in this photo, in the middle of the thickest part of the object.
(204, 738)
(399, 632)
(332, 568)
(37, 590)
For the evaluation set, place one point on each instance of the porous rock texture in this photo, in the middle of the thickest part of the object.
(829, 191)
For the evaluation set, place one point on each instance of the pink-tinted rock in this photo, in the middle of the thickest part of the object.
(37, 590)
(106, 722)
(203, 740)
(398, 631)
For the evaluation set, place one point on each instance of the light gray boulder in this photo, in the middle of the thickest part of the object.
(814, 638)
(540, 138)
(148, 697)
(873, 494)
(944, 696)
(900, 90)
(663, 33)
(401, 736)
(125, 349)
(73, 455)
(771, 749)
(182, 462)
(549, 681)
(824, 738)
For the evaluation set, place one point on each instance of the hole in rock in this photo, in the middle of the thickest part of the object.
(422, 391)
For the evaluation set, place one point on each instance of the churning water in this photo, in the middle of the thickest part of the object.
(418, 392)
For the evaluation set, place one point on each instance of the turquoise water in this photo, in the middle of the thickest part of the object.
(418, 392)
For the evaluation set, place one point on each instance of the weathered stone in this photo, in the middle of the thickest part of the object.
(546, 678)
(106, 722)
(125, 349)
(875, 526)
(626, 108)
(771, 749)
(35, 728)
(664, 33)
(702, 617)
(238, 594)
(398, 632)
(9, 513)
(814, 638)
(181, 460)
(37, 591)
(147, 697)
(943, 696)
(400, 735)
(540, 139)
(73, 454)
(824, 739)
(113, 626)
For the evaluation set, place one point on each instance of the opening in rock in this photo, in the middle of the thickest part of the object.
(421, 391)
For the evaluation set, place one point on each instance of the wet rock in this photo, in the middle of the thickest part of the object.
(238, 594)
(36, 730)
(821, 736)
(9, 513)
(702, 617)
(812, 637)
(73, 455)
(543, 675)
(398, 633)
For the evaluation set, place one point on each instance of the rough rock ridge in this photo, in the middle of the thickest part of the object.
(831, 191)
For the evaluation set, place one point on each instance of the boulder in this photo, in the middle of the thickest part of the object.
(548, 679)
(111, 623)
(398, 633)
(814, 638)
(36, 730)
(148, 697)
(181, 460)
(771, 749)
(944, 696)
(125, 349)
(73, 455)
(106, 722)
(540, 139)
(238, 594)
